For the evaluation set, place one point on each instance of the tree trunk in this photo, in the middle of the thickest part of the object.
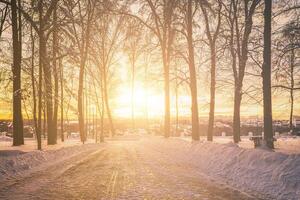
(146, 97)
(80, 105)
(292, 64)
(18, 138)
(291, 109)
(237, 114)
(132, 91)
(240, 52)
(193, 77)
(211, 119)
(267, 93)
(106, 101)
(83, 58)
(40, 103)
(102, 114)
(237, 90)
(44, 116)
(176, 104)
(61, 100)
(48, 91)
(167, 125)
(86, 106)
(40, 92)
(36, 127)
(47, 76)
(55, 72)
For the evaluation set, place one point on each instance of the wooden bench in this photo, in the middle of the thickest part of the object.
(257, 140)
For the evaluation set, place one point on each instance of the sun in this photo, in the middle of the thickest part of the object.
(143, 102)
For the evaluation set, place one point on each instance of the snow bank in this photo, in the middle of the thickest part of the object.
(4, 138)
(15, 162)
(269, 174)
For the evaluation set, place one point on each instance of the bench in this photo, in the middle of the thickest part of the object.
(258, 140)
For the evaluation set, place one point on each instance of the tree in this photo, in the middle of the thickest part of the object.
(3, 17)
(133, 49)
(108, 39)
(55, 71)
(18, 138)
(45, 65)
(287, 62)
(34, 114)
(212, 37)
(266, 74)
(163, 17)
(192, 70)
(238, 47)
(61, 68)
(81, 14)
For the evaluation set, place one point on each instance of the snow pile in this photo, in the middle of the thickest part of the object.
(4, 138)
(14, 163)
(268, 174)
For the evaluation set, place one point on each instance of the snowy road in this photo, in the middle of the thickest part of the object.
(119, 170)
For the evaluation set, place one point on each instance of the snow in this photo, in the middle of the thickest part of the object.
(31, 144)
(285, 144)
(6, 139)
(273, 175)
(267, 174)
(16, 161)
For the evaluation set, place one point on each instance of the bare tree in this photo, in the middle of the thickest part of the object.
(133, 49)
(45, 67)
(55, 70)
(192, 70)
(212, 36)
(238, 46)
(81, 21)
(266, 74)
(163, 16)
(287, 62)
(108, 40)
(4, 11)
(18, 138)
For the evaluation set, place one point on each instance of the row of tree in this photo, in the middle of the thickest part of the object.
(64, 45)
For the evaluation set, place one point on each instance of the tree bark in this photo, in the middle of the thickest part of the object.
(55, 72)
(193, 76)
(106, 102)
(61, 100)
(36, 127)
(80, 104)
(211, 119)
(102, 115)
(18, 138)
(132, 90)
(292, 65)
(47, 75)
(241, 52)
(266, 72)
(237, 113)
(167, 116)
(84, 47)
(212, 38)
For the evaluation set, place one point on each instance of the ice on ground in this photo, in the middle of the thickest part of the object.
(273, 174)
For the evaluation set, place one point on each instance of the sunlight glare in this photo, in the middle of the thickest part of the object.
(145, 102)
